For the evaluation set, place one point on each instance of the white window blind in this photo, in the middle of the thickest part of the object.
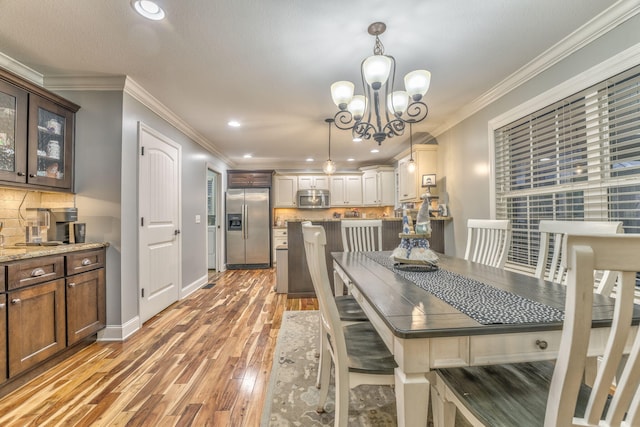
(577, 159)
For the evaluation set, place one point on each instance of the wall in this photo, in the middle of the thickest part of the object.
(98, 163)
(464, 149)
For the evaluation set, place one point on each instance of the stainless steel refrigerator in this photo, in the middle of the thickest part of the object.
(248, 228)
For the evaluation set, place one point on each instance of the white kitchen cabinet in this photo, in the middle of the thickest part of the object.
(410, 183)
(313, 182)
(378, 186)
(285, 189)
(346, 190)
(279, 238)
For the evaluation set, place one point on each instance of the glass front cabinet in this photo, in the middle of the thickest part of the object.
(36, 136)
(50, 144)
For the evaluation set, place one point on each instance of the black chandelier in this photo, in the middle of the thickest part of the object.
(369, 115)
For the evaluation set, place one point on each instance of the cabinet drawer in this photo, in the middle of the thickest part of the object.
(280, 232)
(34, 271)
(80, 262)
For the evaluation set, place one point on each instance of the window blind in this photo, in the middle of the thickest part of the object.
(577, 159)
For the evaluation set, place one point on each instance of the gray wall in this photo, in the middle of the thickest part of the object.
(463, 152)
(107, 197)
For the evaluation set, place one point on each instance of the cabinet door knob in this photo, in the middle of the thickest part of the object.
(16, 301)
(2, 305)
(20, 173)
(72, 285)
(86, 261)
(32, 175)
(37, 272)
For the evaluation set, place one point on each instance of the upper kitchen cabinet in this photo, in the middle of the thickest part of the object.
(249, 179)
(50, 148)
(286, 187)
(425, 157)
(36, 136)
(313, 182)
(346, 190)
(378, 184)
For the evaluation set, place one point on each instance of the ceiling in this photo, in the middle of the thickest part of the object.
(269, 64)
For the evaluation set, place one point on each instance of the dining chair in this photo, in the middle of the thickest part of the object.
(361, 235)
(518, 394)
(488, 241)
(349, 311)
(357, 351)
(552, 236)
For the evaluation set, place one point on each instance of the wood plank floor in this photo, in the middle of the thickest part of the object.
(203, 361)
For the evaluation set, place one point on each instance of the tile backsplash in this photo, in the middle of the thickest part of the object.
(13, 205)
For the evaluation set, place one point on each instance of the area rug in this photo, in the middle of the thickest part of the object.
(292, 396)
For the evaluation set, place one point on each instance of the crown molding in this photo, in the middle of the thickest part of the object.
(84, 82)
(20, 69)
(143, 96)
(132, 88)
(615, 15)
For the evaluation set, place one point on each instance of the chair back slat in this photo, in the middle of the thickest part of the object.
(361, 235)
(584, 255)
(553, 235)
(488, 241)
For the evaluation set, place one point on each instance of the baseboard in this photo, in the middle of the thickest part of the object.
(119, 332)
(194, 286)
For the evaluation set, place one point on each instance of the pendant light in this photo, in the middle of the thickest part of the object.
(329, 166)
(411, 164)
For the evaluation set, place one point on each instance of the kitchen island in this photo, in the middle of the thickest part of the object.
(300, 285)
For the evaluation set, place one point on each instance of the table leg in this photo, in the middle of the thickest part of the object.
(338, 284)
(412, 399)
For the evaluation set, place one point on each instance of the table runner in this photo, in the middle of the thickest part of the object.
(483, 303)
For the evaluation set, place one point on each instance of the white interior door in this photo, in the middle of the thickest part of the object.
(159, 203)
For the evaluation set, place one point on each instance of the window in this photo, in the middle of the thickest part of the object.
(577, 159)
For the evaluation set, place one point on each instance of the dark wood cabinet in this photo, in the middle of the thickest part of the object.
(49, 303)
(249, 179)
(36, 136)
(36, 324)
(86, 299)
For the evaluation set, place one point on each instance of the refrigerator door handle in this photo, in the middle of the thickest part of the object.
(246, 216)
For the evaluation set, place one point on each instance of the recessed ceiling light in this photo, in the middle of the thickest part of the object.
(351, 159)
(310, 159)
(247, 156)
(357, 139)
(148, 9)
(234, 123)
(375, 150)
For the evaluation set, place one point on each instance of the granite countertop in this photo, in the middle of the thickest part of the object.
(16, 253)
(390, 218)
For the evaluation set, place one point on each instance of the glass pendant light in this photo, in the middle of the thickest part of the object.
(329, 165)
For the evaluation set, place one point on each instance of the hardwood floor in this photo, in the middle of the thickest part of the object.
(205, 360)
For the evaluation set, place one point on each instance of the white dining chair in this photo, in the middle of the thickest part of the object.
(488, 241)
(361, 235)
(349, 312)
(518, 394)
(357, 351)
(552, 236)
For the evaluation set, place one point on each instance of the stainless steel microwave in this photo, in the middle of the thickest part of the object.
(313, 199)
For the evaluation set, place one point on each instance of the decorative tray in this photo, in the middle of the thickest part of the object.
(414, 264)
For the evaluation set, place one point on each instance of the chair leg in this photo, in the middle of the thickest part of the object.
(322, 356)
(342, 398)
(324, 374)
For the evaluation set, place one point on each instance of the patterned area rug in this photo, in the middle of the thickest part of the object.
(292, 395)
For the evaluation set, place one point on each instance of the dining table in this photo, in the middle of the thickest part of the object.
(460, 314)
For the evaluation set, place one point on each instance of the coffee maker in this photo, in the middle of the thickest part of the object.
(60, 223)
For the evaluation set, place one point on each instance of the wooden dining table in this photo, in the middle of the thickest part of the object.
(424, 332)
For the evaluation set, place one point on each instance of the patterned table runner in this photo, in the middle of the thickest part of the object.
(483, 303)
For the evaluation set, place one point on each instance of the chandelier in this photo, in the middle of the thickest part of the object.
(368, 115)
